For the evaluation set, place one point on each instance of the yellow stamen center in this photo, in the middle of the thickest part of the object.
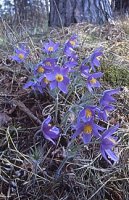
(72, 42)
(40, 69)
(88, 113)
(59, 77)
(21, 56)
(87, 129)
(48, 64)
(50, 49)
(46, 80)
(93, 81)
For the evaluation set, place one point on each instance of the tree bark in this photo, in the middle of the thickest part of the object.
(65, 12)
(20, 10)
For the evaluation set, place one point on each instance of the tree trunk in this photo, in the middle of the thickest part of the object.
(65, 12)
(20, 10)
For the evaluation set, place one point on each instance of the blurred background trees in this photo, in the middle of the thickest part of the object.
(35, 14)
(30, 14)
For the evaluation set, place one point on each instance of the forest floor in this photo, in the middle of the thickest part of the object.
(28, 165)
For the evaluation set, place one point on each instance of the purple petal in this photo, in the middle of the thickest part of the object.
(66, 80)
(64, 71)
(48, 138)
(103, 115)
(104, 155)
(89, 87)
(53, 84)
(96, 62)
(111, 155)
(28, 84)
(108, 143)
(113, 91)
(50, 76)
(45, 123)
(84, 69)
(55, 131)
(109, 108)
(92, 67)
(53, 134)
(75, 135)
(110, 131)
(86, 138)
(78, 131)
(39, 88)
(62, 86)
(97, 75)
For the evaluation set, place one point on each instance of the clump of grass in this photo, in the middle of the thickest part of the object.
(116, 76)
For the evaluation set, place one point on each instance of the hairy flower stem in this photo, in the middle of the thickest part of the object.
(56, 106)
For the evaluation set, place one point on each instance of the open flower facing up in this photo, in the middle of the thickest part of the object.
(87, 130)
(92, 81)
(107, 143)
(107, 97)
(50, 132)
(87, 113)
(50, 47)
(58, 78)
(21, 54)
(40, 69)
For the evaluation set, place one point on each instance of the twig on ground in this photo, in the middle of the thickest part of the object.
(23, 108)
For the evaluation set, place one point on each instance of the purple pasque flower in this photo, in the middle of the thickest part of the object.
(107, 97)
(50, 132)
(50, 47)
(70, 64)
(34, 84)
(87, 113)
(103, 112)
(50, 63)
(94, 58)
(72, 41)
(20, 54)
(86, 130)
(58, 78)
(84, 69)
(92, 81)
(107, 143)
(40, 69)
(70, 53)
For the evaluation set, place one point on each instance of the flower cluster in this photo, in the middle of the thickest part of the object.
(50, 73)
(57, 69)
(87, 127)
